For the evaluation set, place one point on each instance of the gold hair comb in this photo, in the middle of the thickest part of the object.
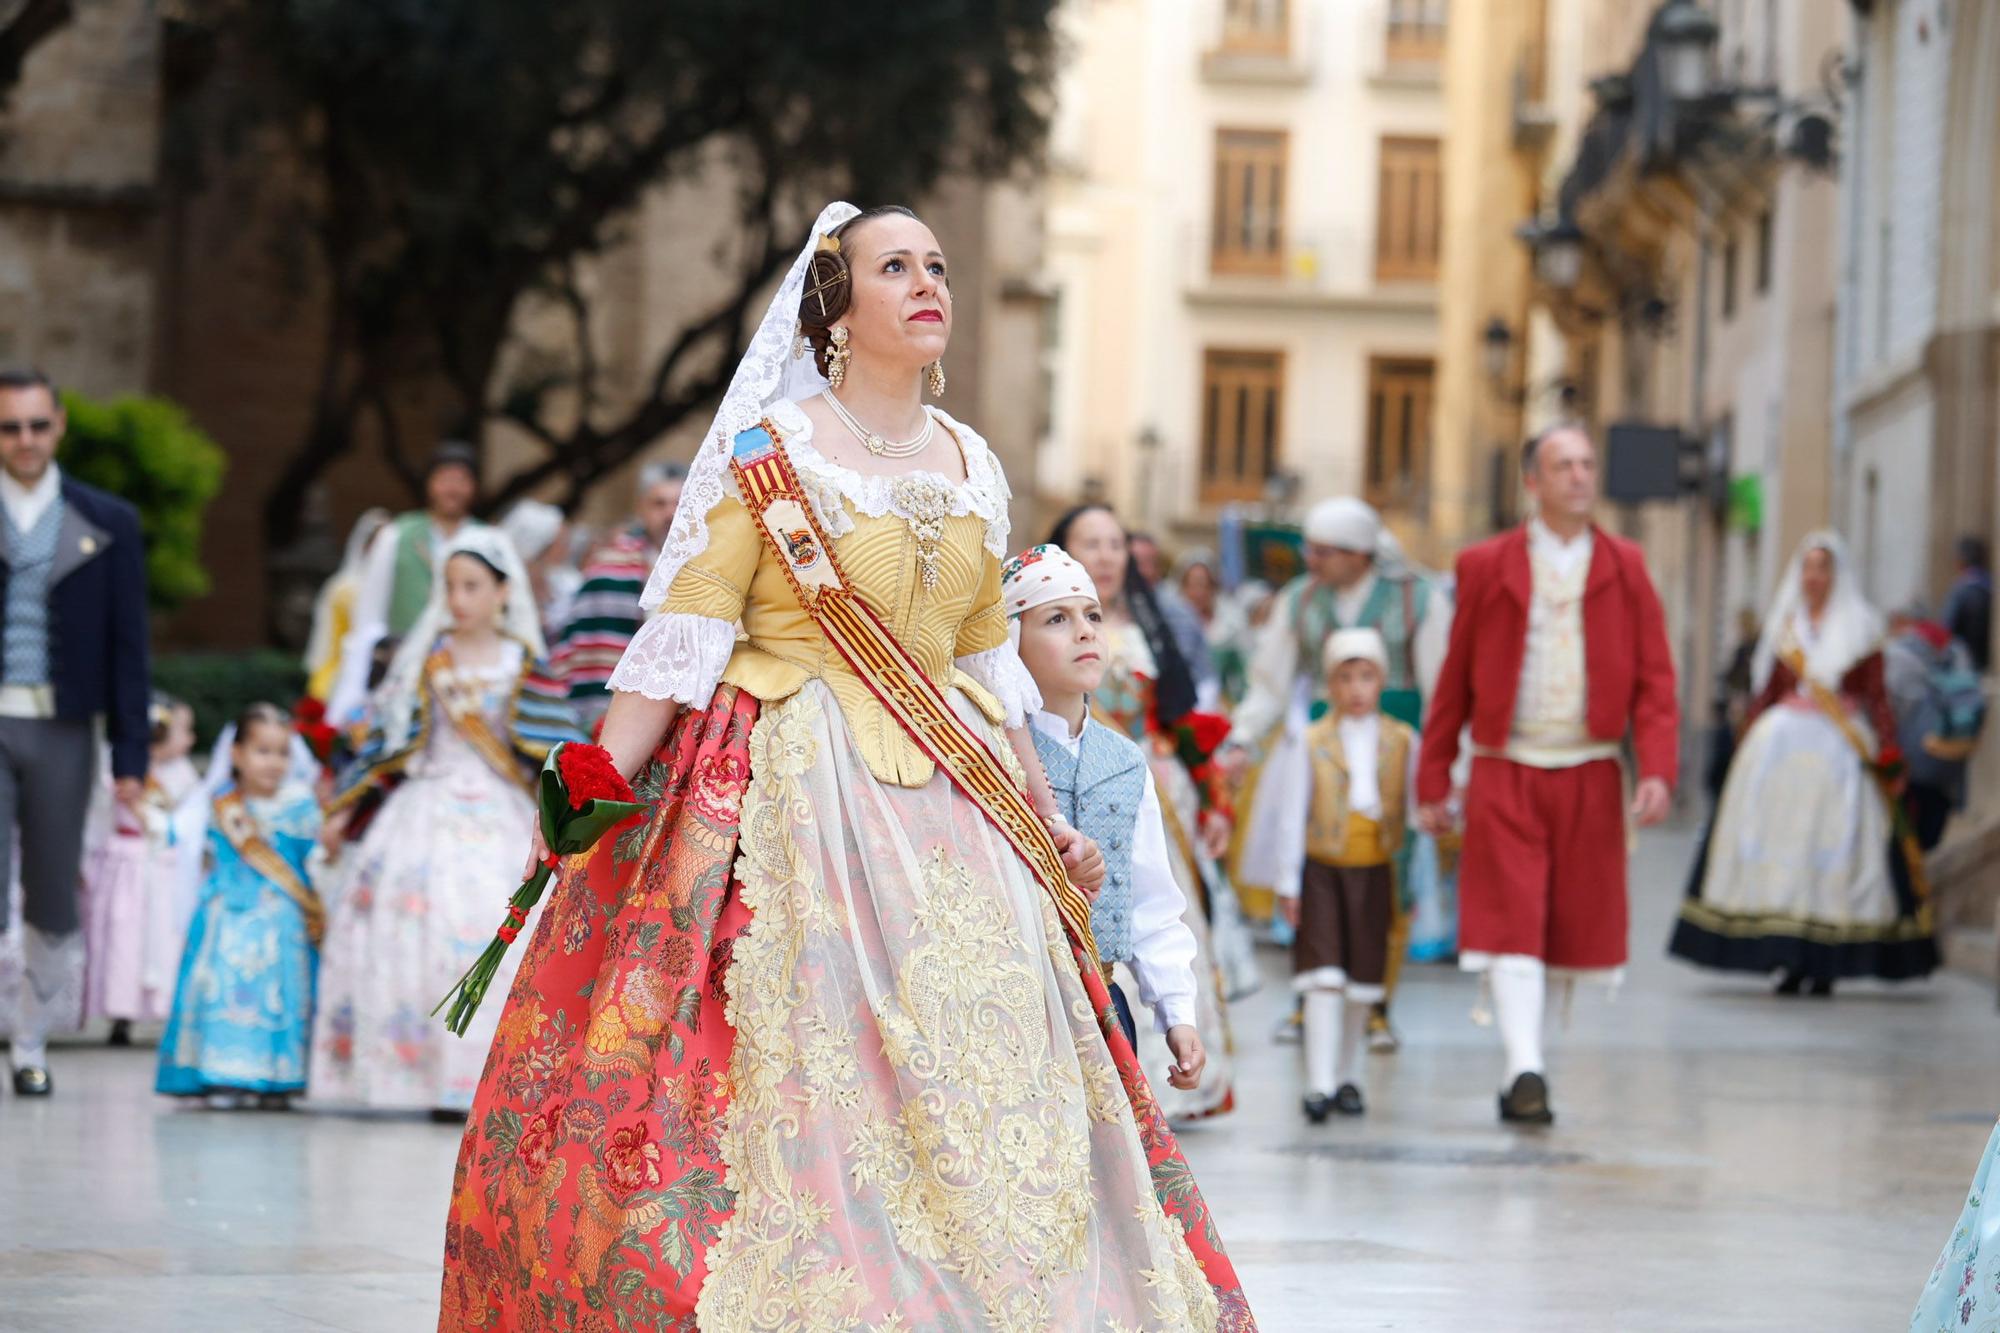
(830, 243)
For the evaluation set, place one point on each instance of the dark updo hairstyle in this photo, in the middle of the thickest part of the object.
(1174, 690)
(830, 281)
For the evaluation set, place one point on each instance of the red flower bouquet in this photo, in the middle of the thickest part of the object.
(581, 797)
(1197, 736)
(309, 720)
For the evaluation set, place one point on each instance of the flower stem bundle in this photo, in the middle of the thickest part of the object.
(580, 797)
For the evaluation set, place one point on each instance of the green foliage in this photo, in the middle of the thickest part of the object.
(146, 451)
(218, 686)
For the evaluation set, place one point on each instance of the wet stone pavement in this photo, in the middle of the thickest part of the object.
(1723, 1160)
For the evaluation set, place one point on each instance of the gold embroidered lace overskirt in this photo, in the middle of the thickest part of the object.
(926, 1128)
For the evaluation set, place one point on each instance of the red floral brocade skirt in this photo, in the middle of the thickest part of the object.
(590, 1184)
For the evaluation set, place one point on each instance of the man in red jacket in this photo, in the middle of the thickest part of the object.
(1558, 650)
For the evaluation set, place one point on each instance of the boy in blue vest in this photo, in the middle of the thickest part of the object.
(1337, 885)
(1105, 789)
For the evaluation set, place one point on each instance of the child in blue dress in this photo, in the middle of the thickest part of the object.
(242, 1013)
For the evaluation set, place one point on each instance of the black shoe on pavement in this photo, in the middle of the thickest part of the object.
(1822, 988)
(1790, 983)
(1348, 1100)
(1527, 1102)
(121, 1032)
(1317, 1107)
(33, 1081)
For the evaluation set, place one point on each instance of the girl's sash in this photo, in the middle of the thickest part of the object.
(792, 531)
(238, 825)
(1829, 704)
(471, 724)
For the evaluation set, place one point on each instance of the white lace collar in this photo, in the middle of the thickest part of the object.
(983, 494)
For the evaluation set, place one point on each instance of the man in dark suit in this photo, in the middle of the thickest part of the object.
(1558, 652)
(72, 649)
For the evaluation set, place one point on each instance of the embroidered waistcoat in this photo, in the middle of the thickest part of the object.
(1314, 618)
(1099, 791)
(30, 557)
(1327, 828)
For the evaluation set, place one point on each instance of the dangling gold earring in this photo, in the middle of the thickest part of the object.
(935, 374)
(836, 357)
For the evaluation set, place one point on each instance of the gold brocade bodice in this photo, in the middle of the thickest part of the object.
(927, 574)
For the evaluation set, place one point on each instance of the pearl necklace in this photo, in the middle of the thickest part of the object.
(875, 444)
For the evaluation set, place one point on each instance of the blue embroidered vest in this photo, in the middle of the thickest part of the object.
(1099, 792)
(25, 658)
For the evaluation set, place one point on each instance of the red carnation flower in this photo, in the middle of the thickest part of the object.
(309, 712)
(1210, 730)
(589, 775)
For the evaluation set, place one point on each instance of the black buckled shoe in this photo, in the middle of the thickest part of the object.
(33, 1081)
(1527, 1102)
(1348, 1100)
(1317, 1108)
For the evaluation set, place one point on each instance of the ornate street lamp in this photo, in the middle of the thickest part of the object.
(1687, 35)
(1559, 254)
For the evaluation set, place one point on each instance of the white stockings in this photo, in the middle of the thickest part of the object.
(1520, 997)
(1335, 1038)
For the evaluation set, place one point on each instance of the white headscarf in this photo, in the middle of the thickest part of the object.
(533, 527)
(767, 373)
(1355, 645)
(395, 704)
(322, 645)
(1849, 628)
(1038, 576)
(1344, 522)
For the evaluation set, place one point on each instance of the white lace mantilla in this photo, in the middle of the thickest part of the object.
(984, 494)
(1002, 671)
(676, 656)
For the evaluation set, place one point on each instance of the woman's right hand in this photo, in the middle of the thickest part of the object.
(538, 851)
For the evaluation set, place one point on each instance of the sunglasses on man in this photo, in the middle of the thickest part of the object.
(32, 426)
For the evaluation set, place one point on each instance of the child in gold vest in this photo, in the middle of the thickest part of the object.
(1339, 888)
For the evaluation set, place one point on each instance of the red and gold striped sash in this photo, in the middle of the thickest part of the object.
(793, 532)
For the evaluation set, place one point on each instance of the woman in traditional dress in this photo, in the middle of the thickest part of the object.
(439, 802)
(333, 609)
(1807, 870)
(819, 1044)
(1148, 692)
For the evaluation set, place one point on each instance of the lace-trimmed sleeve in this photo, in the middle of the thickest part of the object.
(1001, 671)
(681, 650)
(677, 656)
